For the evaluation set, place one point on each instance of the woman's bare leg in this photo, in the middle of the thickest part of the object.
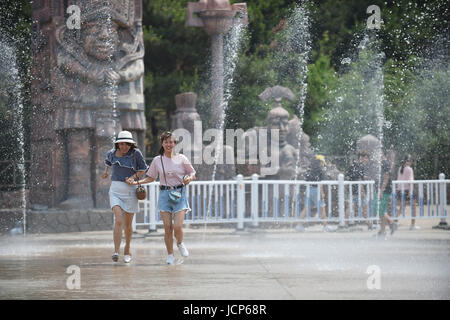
(128, 231)
(117, 234)
(168, 231)
(178, 225)
(413, 221)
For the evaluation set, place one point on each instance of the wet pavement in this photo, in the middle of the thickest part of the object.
(225, 264)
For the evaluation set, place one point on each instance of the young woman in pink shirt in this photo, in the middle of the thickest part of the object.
(406, 173)
(175, 172)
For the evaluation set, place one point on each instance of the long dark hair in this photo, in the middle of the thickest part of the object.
(406, 159)
(165, 135)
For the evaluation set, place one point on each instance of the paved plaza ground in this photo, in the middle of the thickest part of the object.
(264, 263)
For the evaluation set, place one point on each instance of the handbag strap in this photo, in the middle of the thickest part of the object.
(165, 178)
(164, 171)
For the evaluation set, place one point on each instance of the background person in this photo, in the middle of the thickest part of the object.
(315, 172)
(174, 171)
(384, 197)
(125, 159)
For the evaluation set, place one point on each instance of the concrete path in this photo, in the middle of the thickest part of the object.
(277, 263)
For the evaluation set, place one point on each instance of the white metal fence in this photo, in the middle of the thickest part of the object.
(253, 201)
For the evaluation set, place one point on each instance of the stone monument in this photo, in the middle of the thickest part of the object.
(87, 86)
(216, 17)
(372, 145)
(278, 118)
(187, 118)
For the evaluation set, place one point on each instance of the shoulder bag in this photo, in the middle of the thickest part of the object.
(174, 195)
(141, 193)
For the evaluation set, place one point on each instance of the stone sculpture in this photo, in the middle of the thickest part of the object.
(95, 86)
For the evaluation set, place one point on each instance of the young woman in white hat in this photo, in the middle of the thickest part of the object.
(125, 161)
(175, 172)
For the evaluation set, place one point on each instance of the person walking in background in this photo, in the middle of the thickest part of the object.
(315, 173)
(356, 172)
(126, 162)
(175, 172)
(383, 197)
(406, 173)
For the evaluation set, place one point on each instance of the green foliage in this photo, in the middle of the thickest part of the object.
(177, 60)
(425, 121)
(355, 107)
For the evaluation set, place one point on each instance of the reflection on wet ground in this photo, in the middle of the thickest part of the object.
(225, 264)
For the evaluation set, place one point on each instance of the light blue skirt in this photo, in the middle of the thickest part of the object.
(124, 196)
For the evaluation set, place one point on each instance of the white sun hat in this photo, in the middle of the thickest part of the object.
(125, 136)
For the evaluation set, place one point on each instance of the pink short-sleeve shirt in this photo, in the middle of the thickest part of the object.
(408, 174)
(176, 168)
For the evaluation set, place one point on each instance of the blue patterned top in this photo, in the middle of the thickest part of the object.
(125, 166)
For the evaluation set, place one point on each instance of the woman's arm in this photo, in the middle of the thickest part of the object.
(131, 181)
(189, 170)
(188, 178)
(138, 175)
(105, 173)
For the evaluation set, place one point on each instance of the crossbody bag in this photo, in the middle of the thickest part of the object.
(174, 195)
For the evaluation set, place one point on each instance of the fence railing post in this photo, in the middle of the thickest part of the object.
(152, 204)
(255, 200)
(240, 201)
(341, 200)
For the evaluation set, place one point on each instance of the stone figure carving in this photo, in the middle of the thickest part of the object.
(100, 92)
(295, 133)
(372, 145)
(278, 118)
(186, 113)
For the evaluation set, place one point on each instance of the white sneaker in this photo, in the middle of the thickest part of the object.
(414, 227)
(127, 258)
(115, 257)
(183, 250)
(327, 229)
(170, 259)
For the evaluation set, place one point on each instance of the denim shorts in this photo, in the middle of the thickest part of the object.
(364, 201)
(165, 205)
(313, 197)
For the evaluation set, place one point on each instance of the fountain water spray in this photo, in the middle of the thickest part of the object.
(113, 83)
(217, 18)
(12, 87)
(299, 33)
(292, 60)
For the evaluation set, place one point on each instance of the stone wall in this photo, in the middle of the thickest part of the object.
(57, 221)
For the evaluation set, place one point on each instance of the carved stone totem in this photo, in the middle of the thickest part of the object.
(278, 118)
(88, 86)
(372, 145)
